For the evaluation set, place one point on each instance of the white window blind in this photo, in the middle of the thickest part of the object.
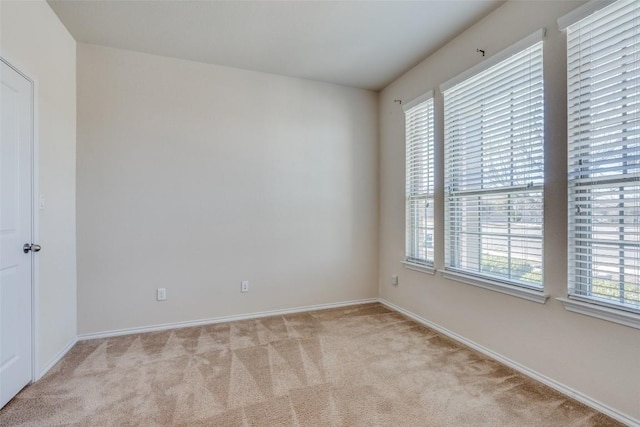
(603, 79)
(494, 169)
(419, 180)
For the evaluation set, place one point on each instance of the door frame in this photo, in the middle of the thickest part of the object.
(35, 229)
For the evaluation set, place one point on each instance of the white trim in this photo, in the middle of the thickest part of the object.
(423, 268)
(582, 12)
(519, 46)
(419, 100)
(221, 319)
(504, 288)
(593, 309)
(564, 389)
(56, 358)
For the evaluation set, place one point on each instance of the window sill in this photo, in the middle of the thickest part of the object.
(601, 312)
(423, 268)
(516, 291)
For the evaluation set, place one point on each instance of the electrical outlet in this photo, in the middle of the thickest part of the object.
(162, 294)
(394, 280)
(244, 286)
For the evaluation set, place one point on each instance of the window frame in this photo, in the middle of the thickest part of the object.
(477, 278)
(417, 143)
(581, 184)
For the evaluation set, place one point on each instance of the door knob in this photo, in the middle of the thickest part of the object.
(31, 247)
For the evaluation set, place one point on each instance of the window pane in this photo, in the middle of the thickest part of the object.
(604, 155)
(419, 182)
(494, 171)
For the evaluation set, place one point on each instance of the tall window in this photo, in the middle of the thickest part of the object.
(419, 180)
(494, 167)
(603, 73)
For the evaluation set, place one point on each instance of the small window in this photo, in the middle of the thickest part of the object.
(419, 180)
(494, 168)
(603, 85)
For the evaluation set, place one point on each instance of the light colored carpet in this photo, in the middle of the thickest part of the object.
(357, 366)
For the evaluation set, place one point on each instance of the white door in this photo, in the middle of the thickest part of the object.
(16, 135)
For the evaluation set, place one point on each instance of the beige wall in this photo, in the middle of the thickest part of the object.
(34, 40)
(595, 357)
(194, 177)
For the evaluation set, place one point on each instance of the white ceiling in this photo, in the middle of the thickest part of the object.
(364, 44)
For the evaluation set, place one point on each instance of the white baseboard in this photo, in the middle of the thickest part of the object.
(56, 358)
(221, 319)
(580, 397)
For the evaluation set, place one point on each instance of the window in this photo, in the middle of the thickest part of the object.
(603, 85)
(419, 181)
(494, 168)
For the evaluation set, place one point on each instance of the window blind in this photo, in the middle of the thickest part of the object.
(494, 170)
(419, 180)
(603, 85)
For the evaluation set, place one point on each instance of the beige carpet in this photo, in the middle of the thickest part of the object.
(356, 366)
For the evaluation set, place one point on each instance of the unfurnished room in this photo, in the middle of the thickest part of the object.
(320, 213)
